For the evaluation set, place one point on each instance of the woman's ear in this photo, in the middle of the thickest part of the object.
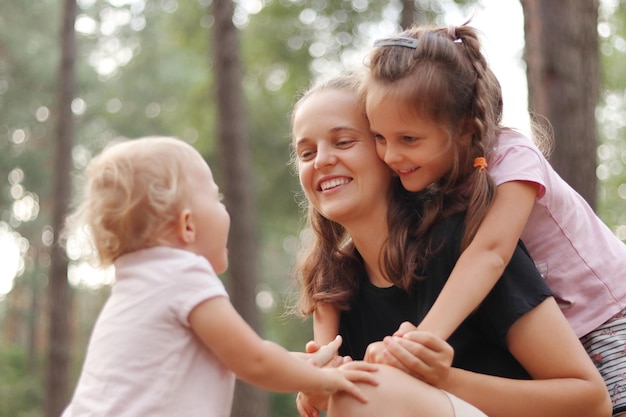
(185, 227)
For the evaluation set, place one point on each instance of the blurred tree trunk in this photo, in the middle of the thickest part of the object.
(407, 17)
(59, 301)
(562, 60)
(235, 160)
(418, 12)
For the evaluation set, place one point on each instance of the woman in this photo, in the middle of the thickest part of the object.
(359, 281)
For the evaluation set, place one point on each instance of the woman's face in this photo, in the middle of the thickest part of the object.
(340, 172)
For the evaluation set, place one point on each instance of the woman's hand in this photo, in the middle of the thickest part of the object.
(375, 353)
(327, 355)
(404, 328)
(320, 356)
(308, 406)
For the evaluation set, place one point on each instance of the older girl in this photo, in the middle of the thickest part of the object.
(435, 108)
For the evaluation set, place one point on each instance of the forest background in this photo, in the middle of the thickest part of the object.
(222, 75)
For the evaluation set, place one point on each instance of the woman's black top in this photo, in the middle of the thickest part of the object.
(480, 341)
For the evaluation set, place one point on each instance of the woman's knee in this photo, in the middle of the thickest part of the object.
(397, 394)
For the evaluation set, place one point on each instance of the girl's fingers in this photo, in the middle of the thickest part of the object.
(404, 358)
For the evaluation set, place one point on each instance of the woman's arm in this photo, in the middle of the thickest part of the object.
(325, 330)
(481, 264)
(325, 323)
(565, 381)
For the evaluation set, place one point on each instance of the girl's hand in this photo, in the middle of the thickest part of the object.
(422, 355)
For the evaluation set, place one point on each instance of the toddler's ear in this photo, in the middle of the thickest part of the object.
(185, 227)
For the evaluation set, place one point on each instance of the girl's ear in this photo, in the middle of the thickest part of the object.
(467, 130)
(185, 227)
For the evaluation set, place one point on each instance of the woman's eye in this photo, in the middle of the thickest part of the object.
(305, 155)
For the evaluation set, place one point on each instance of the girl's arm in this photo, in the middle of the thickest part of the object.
(481, 264)
(565, 382)
(264, 363)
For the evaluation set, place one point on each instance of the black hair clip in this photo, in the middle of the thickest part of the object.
(397, 41)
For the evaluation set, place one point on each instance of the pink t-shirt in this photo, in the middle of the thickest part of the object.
(581, 259)
(143, 359)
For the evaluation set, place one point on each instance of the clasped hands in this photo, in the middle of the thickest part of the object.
(421, 354)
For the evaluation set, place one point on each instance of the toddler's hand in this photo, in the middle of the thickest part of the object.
(345, 376)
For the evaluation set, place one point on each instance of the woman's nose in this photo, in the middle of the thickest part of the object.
(325, 156)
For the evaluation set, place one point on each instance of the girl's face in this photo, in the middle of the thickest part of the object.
(340, 173)
(417, 149)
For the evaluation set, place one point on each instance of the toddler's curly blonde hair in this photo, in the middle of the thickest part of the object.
(133, 195)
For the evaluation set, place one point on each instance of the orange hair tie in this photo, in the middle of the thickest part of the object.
(481, 163)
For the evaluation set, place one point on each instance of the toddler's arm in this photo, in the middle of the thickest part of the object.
(264, 363)
(481, 264)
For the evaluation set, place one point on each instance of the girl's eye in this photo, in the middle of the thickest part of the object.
(379, 138)
(409, 138)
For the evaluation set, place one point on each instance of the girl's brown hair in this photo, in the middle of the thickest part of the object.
(447, 79)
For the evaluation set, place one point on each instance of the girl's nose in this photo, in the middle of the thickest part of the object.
(391, 155)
